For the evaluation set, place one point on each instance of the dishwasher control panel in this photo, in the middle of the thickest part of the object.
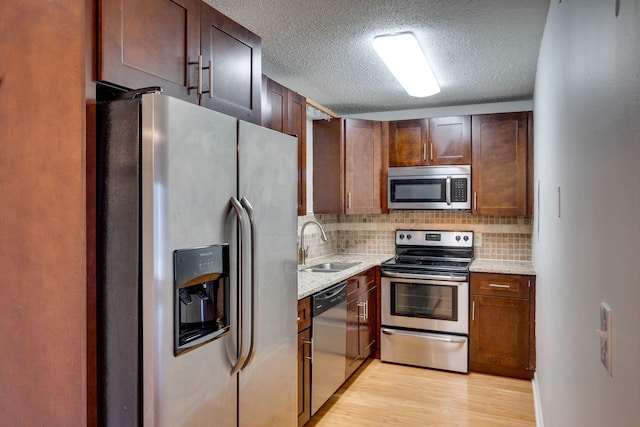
(324, 300)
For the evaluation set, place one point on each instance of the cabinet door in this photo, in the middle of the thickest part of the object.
(363, 166)
(150, 43)
(328, 166)
(285, 111)
(353, 357)
(368, 324)
(499, 335)
(274, 105)
(304, 376)
(233, 84)
(296, 124)
(499, 172)
(408, 142)
(450, 140)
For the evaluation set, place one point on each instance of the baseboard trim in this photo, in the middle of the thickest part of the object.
(536, 400)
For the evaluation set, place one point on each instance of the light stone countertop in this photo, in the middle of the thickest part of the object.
(310, 283)
(502, 267)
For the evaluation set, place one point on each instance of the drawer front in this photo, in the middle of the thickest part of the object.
(429, 350)
(304, 313)
(500, 285)
(360, 283)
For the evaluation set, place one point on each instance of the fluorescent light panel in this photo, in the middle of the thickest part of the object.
(405, 59)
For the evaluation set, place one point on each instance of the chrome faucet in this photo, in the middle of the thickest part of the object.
(302, 252)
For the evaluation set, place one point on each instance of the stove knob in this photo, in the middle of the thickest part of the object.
(401, 236)
(408, 236)
(457, 238)
(466, 238)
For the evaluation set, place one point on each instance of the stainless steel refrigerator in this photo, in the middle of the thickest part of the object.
(177, 181)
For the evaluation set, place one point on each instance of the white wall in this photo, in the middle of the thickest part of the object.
(587, 141)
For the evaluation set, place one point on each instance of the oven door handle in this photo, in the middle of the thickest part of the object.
(434, 337)
(451, 278)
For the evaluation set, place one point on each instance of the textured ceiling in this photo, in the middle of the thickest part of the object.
(481, 51)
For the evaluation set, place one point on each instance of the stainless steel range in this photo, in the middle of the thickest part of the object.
(425, 300)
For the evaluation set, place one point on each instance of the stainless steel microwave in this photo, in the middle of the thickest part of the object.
(430, 187)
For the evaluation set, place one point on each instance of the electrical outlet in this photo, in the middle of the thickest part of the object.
(478, 239)
(605, 333)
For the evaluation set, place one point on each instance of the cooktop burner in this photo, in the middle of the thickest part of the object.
(422, 250)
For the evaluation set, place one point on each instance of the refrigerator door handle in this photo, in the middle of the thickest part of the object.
(242, 291)
(254, 279)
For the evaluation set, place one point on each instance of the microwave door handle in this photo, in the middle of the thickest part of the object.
(448, 190)
(254, 279)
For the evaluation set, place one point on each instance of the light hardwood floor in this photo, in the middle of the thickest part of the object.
(383, 394)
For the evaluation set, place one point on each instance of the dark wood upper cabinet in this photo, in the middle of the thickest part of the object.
(274, 104)
(436, 141)
(408, 142)
(350, 166)
(328, 166)
(159, 43)
(234, 55)
(363, 166)
(450, 140)
(500, 164)
(285, 111)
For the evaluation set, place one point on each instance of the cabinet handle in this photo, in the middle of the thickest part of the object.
(362, 316)
(473, 310)
(431, 151)
(198, 87)
(310, 343)
(496, 285)
(475, 200)
(424, 151)
(210, 68)
(349, 200)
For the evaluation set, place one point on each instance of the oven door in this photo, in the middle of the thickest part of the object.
(416, 301)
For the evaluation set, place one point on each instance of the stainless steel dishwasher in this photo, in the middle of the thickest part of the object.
(328, 370)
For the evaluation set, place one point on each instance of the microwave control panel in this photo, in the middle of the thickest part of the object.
(459, 190)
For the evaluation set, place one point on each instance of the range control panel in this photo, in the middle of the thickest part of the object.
(459, 239)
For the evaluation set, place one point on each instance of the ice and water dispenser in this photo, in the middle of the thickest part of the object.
(201, 280)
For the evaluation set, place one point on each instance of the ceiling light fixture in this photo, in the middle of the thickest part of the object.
(404, 58)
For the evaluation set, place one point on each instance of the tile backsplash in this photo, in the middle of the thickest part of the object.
(496, 237)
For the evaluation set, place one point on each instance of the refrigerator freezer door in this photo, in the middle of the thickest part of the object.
(268, 185)
(189, 172)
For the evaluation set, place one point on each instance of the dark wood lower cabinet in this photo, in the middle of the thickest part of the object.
(304, 376)
(304, 360)
(361, 319)
(502, 327)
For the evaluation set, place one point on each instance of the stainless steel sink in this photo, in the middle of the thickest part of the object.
(330, 267)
